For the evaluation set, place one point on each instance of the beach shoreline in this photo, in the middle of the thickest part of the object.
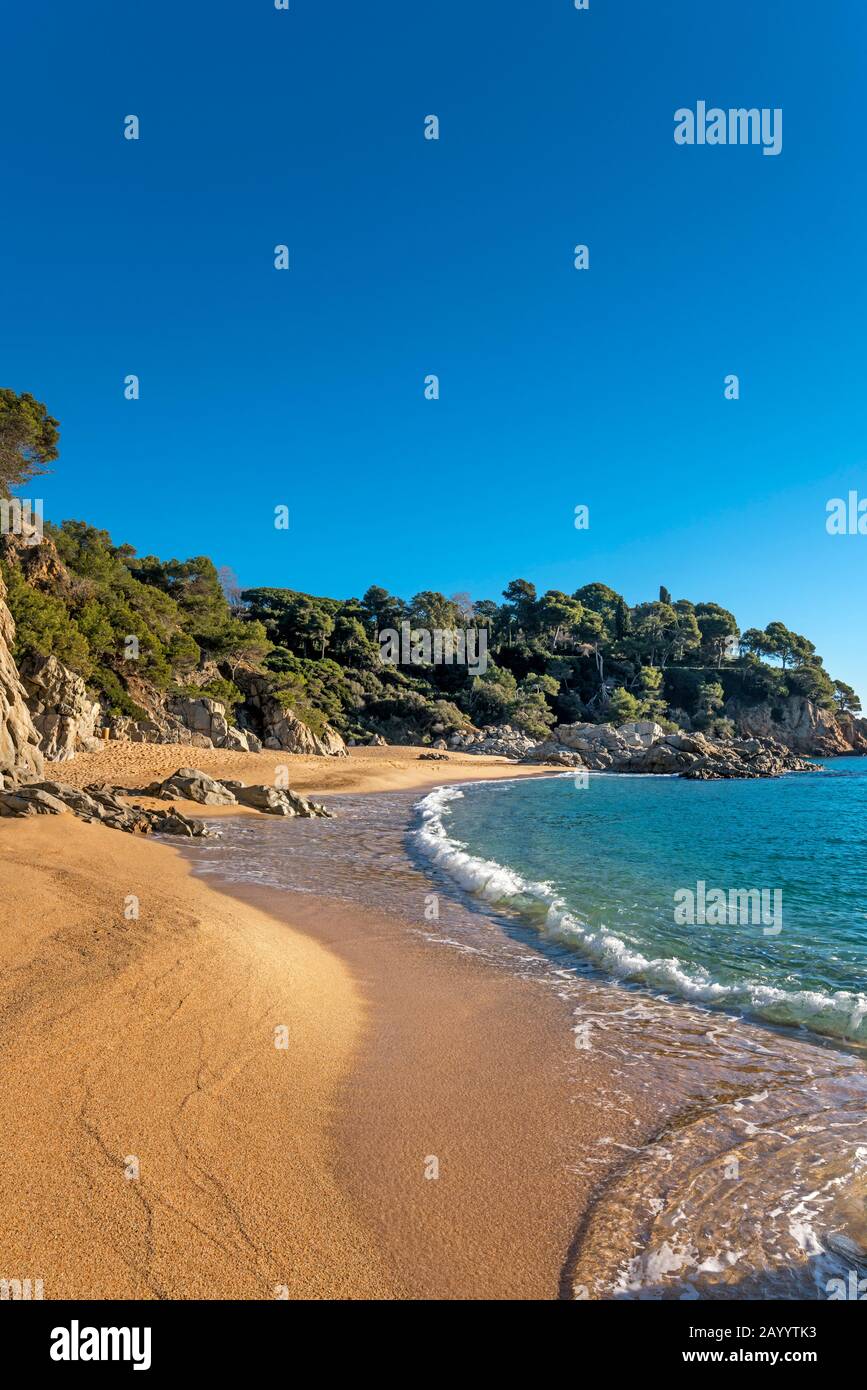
(278, 1079)
(169, 1149)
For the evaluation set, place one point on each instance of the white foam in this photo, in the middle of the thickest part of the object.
(841, 1013)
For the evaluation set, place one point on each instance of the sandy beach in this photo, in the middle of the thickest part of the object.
(365, 770)
(164, 1147)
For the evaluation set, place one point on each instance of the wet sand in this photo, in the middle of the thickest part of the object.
(463, 1071)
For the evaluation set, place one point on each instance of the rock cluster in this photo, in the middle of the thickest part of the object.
(96, 803)
(801, 726)
(503, 742)
(190, 784)
(198, 723)
(103, 804)
(643, 746)
(208, 718)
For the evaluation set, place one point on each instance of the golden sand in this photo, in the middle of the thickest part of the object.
(157, 1144)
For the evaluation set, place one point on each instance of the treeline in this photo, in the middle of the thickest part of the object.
(557, 657)
(551, 658)
(118, 619)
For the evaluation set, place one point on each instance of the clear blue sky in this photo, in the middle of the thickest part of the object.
(411, 257)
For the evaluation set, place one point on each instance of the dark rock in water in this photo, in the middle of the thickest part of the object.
(550, 754)
(174, 823)
(276, 801)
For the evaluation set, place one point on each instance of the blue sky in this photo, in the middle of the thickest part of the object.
(410, 257)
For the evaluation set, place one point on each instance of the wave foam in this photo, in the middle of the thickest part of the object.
(842, 1014)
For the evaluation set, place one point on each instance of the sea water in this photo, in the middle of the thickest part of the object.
(622, 871)
(746, 1049)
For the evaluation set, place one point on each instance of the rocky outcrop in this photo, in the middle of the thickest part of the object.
(196, 723)
(854, 731)
(286, 732)
(279, 728)
(162, 728)
(801, 726)
(497, 741)
(20, 757)
(208, 718)
(104, 804)
(63, 714)
(96, 803)
(644, 747)
(552, 754)
(36, 556)
(275, 801)
(190, 784)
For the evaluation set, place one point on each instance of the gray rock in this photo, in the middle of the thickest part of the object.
(281, 728)
(190, 784)
(551, 754)
(63, 714)
(504, 742)
(30, 801)
(276, 801)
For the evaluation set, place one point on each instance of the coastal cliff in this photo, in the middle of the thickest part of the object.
(802, 726)
(20, 758)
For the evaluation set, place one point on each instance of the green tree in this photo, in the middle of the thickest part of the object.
(432, 610)
(622, 706)
(559, 616)
(653, 629)
(493, 695)
(520, 596)
(28, 439)
(715, 624)
(845, 698)
(247, 645)
(610, 607)
(653, 705)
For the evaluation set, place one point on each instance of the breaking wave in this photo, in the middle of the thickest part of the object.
(841, 1015)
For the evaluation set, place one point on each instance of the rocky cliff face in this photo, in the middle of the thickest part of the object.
(801, 726)
(20, 758)
(64, 716)
(279, 728)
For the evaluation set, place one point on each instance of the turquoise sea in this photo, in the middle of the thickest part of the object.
(734, 1057)
(597, 866)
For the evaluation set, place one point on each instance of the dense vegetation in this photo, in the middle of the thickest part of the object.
(551, 658)
(86, 609)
